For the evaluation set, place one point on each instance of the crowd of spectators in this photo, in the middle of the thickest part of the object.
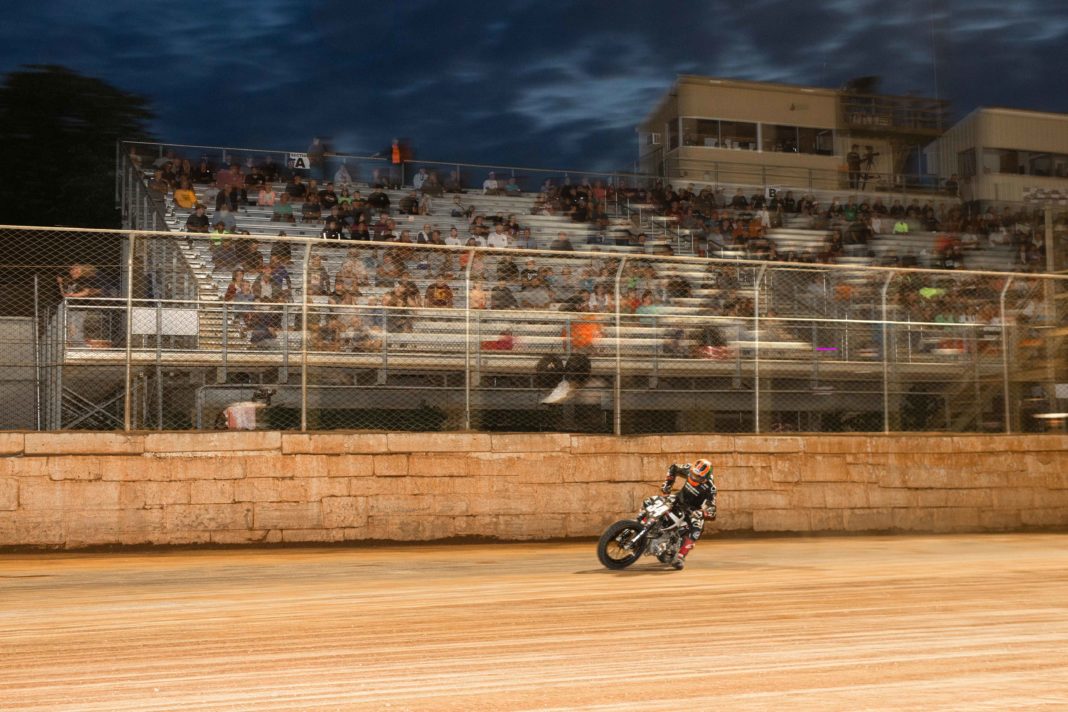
(399, 277)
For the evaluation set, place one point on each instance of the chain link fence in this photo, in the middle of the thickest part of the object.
(141, 330)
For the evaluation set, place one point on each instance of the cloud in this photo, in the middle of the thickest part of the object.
(522, 83)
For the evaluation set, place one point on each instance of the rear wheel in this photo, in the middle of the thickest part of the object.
(613, 549)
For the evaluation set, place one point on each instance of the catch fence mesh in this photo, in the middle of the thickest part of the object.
(147, 330)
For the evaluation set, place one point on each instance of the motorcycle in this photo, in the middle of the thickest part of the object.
(658, 531)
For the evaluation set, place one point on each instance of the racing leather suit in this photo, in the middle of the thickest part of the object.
(695, 501)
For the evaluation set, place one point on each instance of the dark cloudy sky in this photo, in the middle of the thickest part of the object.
(551, 83)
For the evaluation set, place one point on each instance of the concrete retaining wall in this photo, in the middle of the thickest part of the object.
(71, 490)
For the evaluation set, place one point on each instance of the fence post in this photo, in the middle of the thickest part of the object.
(756, 347)
(467, 339)
(617, 419)
(304, 340)
(886, 353)
(126, 404)
(1005, 356)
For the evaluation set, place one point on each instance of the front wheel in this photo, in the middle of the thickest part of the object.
(617, 549)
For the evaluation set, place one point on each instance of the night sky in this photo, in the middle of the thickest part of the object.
(542, 83)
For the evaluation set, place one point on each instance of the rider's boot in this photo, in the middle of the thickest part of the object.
(680, 558)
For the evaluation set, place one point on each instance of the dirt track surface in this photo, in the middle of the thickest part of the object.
(963, 622)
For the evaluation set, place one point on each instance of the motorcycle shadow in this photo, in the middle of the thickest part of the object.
(646, 569)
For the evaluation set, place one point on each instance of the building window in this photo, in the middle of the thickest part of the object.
(776, 138)
(1029, 163)
(966, 163)
(738, 134)
(750, 136)
(700, 132)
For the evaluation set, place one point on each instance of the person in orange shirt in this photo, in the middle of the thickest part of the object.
(184, 197)
(585, 330)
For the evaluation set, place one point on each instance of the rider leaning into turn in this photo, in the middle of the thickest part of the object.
(695, 501)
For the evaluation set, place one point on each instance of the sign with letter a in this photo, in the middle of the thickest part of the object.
(298, 161)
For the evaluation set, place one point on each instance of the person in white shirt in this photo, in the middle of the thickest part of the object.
(454, 237)
(342, 177)
(498, 238)
(490, 186)
(419, 179)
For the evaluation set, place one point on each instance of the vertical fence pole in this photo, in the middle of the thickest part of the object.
(756, 347)
(126, 404)
(118, 171)
(886, 353)
(617, 419)
(304, 340)
(1005, 356)
(467, 339)
(37, 370)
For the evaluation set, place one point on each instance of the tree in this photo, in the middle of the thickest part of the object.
(58, 131)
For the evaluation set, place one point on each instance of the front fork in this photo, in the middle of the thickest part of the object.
(631, 543)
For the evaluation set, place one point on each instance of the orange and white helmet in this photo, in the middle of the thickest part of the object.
(700, 472)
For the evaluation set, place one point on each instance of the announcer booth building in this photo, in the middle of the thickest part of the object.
(1000, 155)
(758, 133)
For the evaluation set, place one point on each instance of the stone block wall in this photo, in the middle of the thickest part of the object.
(72, 490)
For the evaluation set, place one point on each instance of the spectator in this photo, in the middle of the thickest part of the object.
(224, 216)
(426, 204)
(739, 201)
(453, 184)
(528, 274)
(459, 210)
(232, 289)
(283, 210)
(342, 176)
(491, 186)
(901, 227)
(502, 297)
(82, 282)
(331, 231)
(419, 179)
(853, 167)
(327, 197)
(537, 295)
(184, 197)
(562, 243)
(296, 188)
(525, 241)
(409, 204)
(378, 200)
(203, 173)
(439, 293)
(648, 308)
(266, 197)
(264, 326)
(498, 238)
(453, 238)
(272, 284)
(198, 220)
(423, 236)
(511, 187)
(311, 210)
(318, 277)
(433, 187)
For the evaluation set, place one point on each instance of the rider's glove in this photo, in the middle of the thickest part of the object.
(665, 488)
(710, 511)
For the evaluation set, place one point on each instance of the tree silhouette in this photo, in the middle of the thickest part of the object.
(58, 131)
